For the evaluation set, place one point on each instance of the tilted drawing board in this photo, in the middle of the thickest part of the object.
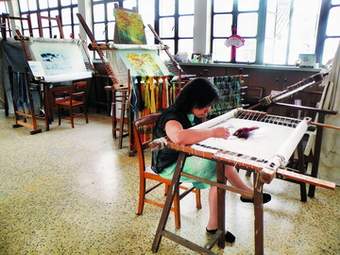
(141, 60)
(57, 60)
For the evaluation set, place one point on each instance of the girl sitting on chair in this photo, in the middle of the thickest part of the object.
(191, 106)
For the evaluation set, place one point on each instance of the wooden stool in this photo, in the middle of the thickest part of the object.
(120, 97)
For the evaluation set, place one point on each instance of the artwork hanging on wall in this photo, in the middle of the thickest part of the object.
(143, 63)
(129, 27)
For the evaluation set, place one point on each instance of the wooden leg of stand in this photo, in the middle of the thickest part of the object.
(220, 176)
(301, 167)
(169, 199)
(46, 107)
(113, 109)
(121, 122)
(317, 150)
(258, 213)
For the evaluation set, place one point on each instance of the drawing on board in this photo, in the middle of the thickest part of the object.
(143, 63)
(58, 58)
(129, 27)
(55, 63)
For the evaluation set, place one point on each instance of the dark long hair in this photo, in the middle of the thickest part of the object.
(198, 93)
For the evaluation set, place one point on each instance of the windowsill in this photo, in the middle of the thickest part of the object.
(255, 66)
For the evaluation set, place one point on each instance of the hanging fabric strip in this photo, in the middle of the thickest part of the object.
(138, 91)
(165, 98)
(152, 95)
(159, 95)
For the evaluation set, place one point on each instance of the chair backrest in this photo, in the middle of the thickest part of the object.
(80, 89)
(142, 131)
(60, 93)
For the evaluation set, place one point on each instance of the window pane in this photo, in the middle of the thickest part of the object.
(3, 7)
(110, 30)
(67, 31)
(129, 4)
(166, 27)
(55, 32)
(23, 5)
(247, 53)
(335, 1)
(76, 31)
(171, 45)
(109, 10)
(53, 14)
(166, 7)
(52, 3)
(74, 1)
(185, 45)
(99, 31)
(35, 33)
(74, 13)
(66, 16)
(46, 32)
(24, 24)
(220, 51)
(34, 20)
(98, 12)
(223, 5)
(65, 2)
(248, 5)
(32, 5)
(186, 7)
(303, 29)
(148, 16)
(26, 33)
(186, 26)
(222, 25)
(247, 24)
(42, 4)
(333, 22)
(44, 22)
(277, 28)
(330, 47)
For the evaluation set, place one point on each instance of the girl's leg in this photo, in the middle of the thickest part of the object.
(212, 222)
(234, 178)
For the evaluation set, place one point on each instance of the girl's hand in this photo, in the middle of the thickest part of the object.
(220, 132)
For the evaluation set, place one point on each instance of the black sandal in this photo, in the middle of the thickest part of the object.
(229, 237)
(266, 198)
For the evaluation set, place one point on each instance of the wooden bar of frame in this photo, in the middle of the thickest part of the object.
(57, 19)
(5, 18)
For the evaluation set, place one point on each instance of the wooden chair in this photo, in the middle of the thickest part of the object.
(142, 130)
(72, 98)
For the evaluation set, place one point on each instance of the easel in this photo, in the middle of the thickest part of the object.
(47, 81)
(24, 115)
(123, 89)
(5, 23)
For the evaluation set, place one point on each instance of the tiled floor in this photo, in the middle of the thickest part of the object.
(70, 191)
